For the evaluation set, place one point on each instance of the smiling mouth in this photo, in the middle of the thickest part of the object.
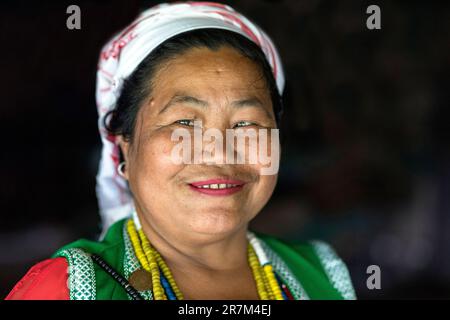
(217, 187)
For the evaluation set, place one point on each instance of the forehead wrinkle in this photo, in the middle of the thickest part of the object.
(254, 80)
(181, 97)
(252, 102)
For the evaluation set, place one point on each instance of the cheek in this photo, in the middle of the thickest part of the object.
(263, 189)
(267, 185)
(154, 163)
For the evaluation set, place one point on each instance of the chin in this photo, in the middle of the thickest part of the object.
(216, 223)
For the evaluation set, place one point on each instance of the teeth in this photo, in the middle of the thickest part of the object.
(217, 186)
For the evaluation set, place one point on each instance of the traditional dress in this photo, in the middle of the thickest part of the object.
(88, 270)
(306, 271)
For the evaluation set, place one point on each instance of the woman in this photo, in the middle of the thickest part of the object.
(180, 230)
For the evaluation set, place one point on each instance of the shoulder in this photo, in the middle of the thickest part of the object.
(86, 277)
(53, 279)
(79, 252)
(335, 268)
(112, 241)
(46, 280)
(317, 266)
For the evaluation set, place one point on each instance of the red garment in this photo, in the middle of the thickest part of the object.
(47, 280)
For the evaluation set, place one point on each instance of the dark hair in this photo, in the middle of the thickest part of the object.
(122, 119)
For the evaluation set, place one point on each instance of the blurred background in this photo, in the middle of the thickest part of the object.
(366, 152)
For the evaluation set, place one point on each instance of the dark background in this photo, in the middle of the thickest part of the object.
(366, 161)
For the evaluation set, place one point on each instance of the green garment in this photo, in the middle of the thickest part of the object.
(310, 270)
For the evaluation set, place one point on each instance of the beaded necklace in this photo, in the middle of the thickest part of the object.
(164, 287)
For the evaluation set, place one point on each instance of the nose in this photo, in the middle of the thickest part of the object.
(227, 146)
(214, 146)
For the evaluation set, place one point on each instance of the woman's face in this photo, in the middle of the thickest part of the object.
(223, 90)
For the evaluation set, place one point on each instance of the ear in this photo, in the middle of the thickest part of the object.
(124, 146)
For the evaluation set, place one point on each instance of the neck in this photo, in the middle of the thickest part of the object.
(205, 253)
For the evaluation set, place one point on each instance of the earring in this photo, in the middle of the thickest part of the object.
(121, 169)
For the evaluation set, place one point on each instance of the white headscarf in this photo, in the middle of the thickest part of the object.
(123, 53)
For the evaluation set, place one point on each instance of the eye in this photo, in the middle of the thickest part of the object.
(241, 124)
(186, 122)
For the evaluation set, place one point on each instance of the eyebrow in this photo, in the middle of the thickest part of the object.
(183, 98)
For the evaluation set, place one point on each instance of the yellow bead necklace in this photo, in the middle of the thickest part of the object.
(266, 283)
